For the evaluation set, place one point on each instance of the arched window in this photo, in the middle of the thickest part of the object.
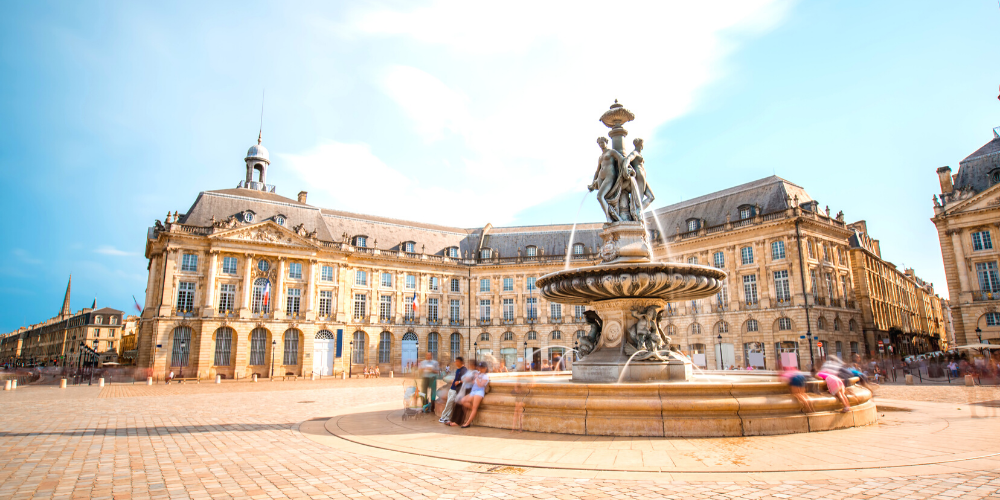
(485, 253)
(453, 252)
(695, 329)
(113, 320)
(752, 325)
(821, 323)
(784, 323)
(578, 248)
(98, 320)
(836, 324)
(851, 325)
(224, 346)
(580, 334)
(432, 344)
(692, 225)
(181, 347)
(385, 347)
(358, 348)
(507, 336)
(532, 335)
(261, 300)
(530, 251)
(258, 346)
(746, 211)
(723, 327)
(291, 356)
(456, 344)
(324, 335)
(484, 337)
(555, 335)
(361, 241)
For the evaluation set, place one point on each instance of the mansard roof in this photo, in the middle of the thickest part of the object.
(551, 239)
(974, 170)
(770, 193)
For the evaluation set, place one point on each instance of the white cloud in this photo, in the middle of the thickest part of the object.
(25, 257)
(512, 92)
(110, 250)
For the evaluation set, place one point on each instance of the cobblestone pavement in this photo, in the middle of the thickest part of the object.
(940, 393)
(244, 441)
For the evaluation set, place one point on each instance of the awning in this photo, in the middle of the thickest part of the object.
(978, 346)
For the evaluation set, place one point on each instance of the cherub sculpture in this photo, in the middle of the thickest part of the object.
(589, 341)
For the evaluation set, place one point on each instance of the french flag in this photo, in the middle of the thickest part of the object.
(267, 293)
(416, 302)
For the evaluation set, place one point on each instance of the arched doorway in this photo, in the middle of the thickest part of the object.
(409, 352)
(324, 352)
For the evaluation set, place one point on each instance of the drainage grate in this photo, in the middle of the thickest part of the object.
(503, 469)
(301, 402)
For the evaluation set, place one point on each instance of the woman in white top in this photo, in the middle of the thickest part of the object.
(476, 395)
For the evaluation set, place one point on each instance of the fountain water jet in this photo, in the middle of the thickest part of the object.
(572, 233)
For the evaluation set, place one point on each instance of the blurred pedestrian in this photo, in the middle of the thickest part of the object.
(454, 390)
(834, 384)
(521, 392)
(428, 371)
(472, 401)
(796, 381)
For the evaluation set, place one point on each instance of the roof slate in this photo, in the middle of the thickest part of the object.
(974, 170)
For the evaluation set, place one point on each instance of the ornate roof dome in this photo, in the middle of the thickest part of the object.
(258, 151)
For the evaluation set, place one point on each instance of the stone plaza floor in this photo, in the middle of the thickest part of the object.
(344, 439)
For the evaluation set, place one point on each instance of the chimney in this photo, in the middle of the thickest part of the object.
(302, 196)
(944, 176)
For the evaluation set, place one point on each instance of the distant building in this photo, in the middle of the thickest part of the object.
(967, 217)
(56, 341)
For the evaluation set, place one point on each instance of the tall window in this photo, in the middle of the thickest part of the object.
(989, 279)
(723, 327)
(484, 309)
(784, 323)
(555, 335)
(295, 270)
(578, 311)
(360, 305)
(411, 282)
(836, 324)
(258, 346)
(992, 319)
(777, 250)
(432, 344)
(185, 296)
(531, 251)
(98, 320)
(454, 310)
(189, 262)
(507, 337)
(722, 298)
(826, 252)
(432, 309)
(752, 325)
(385, 347)
(843, 286)
(293, 301)
(695, 329)
(532, 335)
(508, 309)
(530, 283)
(385, 308)
(291, 356)
(432, 283)
(358, 348)
(454, 285)
(227, 298)
(261, 296)
(484, 253)
(325, 303)
(360, 278)
(981, 241)
(229, 265)
(408, 310)
(532, 307)
(746, 212)
(829, 285)
(181, 347)
(578, 249)
(484, 285)
(693, 260)
(746, 255)
(782, 291)
(750, 288)
(555, 310)
(813, 283)
(456, 345)
(692, 225)
(408, 247)
(386, 280)
(326, 273)
(508, 284)
(812, 255)
(719, 259)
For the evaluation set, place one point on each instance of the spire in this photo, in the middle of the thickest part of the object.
(66, 312)
(94, 305)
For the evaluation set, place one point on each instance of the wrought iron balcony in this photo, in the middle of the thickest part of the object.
(980, 295)
(749, 305)
(435, 322)
(485, 322)
(782, 302)
(455, 322)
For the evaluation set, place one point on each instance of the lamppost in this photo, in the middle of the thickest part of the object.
(350, 362)
(274, 343)
(979, 333)
(722, 359)
(475, 345)
(182, 363)
(576, 349)
(527, 362)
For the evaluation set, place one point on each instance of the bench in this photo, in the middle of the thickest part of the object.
(286, 377)
(187, 379)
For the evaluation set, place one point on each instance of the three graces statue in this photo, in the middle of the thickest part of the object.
(620, 181)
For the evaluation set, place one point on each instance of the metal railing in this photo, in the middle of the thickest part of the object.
(980, 295)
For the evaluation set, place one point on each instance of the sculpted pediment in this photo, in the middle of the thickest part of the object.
(988, 198)
(267, 232)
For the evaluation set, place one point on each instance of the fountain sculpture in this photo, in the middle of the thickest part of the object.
(627, 294)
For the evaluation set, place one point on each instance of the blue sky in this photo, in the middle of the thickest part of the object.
(457, 113)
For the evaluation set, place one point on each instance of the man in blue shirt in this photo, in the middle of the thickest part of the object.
(453, 391)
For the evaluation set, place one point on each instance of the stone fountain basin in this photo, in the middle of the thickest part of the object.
(668, 281)
(712, 406)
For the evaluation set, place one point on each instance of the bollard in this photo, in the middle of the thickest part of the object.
(254, 377)
(909, 379)
(218, 379)
(7, 385)
(100, 382)
(149, 380)
(392, 374)
(62, 383)
(343, 376)
(313, 376)
(13, 384)
(969, 381)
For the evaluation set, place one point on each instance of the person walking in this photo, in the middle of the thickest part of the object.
(454, 390)
(428, 370)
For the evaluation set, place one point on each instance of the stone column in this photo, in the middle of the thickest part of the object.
(307, 298)
(155, 263)
(963, 274)
(213, 263)
(167, 300)
(247, 285)
(278, 292)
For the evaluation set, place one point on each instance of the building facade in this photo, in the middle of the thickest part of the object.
(967, 218)
(250, 282)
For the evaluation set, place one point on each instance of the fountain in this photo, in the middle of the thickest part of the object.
(627, 294)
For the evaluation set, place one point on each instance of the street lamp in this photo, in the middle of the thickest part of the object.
(527, 362)
(475, 345)
(182, 360)
(274, 343)
(979, 333)
(350, 362)
(576, 348)
(722, 360)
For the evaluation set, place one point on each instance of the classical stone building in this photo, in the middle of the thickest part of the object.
(247, 281)
(56, 340)
(967, 216)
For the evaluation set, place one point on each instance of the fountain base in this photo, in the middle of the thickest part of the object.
(610, 366)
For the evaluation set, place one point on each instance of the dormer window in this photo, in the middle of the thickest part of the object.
(693, 224)
(995, 176)
(248, 216)
(408, 246)
(578, 249)
(361, 241)
(531, 251)
(746, 211)
(280, 219)
(453, 252)
(485, 253)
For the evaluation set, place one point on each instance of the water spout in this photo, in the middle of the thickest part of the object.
(625, 368)
(572, 234)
